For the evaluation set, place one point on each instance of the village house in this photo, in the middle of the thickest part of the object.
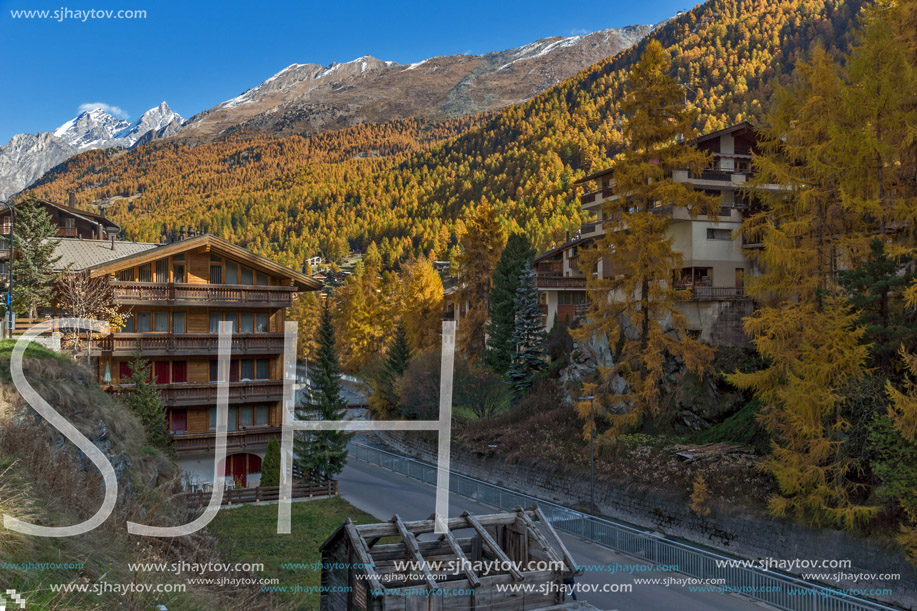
(714, 252)
(176, 293)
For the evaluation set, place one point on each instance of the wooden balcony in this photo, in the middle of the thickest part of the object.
(153, 293)
(254, 438)
(557, 282)
(185, 344)
(190, 393)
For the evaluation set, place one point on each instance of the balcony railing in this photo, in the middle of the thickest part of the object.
(190, 393)
(166, 344)
(551, 282)
(144, 293)
(717, 293)
(252, 438)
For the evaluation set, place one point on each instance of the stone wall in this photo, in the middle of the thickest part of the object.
(743, 534)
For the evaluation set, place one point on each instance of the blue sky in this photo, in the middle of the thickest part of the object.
(196, 54)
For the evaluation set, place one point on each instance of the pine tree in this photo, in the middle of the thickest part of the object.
(482, 244)
(517, 253)
(323, 454)
(144, 400)
(34, 242)
(875, 289)
(386, 394)
(270, 466)
(634, 303)
(528, 338)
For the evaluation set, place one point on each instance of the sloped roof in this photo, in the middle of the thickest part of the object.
(212, 244)
(79, 254)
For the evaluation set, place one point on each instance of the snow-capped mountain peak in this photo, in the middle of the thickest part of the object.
(26, 157)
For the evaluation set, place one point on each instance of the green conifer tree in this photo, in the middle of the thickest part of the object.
(34, 243)
(386, 392)
(270, 466)
(528, 335)
(144, 400)
(323, 454)
(517, 253)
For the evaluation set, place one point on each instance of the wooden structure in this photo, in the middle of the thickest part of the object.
(458, 570)
(301, 490)
(71, 221)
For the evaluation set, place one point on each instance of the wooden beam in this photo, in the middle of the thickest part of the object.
(568, 558)
(536, 534)
(461, 557)
(387, 529)
(359, 546)
(489, 542)
(410, 542)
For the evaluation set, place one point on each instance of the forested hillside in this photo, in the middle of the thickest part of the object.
(391, 184)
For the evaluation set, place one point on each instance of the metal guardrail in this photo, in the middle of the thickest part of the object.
(776, 589)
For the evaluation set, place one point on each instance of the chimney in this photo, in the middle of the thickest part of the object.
(112, 241)
(71, 199)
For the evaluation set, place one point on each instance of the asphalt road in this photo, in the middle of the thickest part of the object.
(383, 494)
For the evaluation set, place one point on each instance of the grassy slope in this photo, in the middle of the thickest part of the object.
(249, 534)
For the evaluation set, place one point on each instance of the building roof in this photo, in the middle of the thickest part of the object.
(210, 243)
(91, 217)
(562, 247)
(738, 127)
(79, 254)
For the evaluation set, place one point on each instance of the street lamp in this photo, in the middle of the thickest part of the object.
(591, 399)
(9, 294)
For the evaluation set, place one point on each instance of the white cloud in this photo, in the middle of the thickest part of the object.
(116, 111)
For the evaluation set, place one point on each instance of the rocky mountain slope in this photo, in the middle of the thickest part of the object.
(26, 157)
(306, 98)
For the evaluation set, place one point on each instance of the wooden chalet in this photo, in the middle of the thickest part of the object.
(176, 295)
(460, 569)
(71, 221)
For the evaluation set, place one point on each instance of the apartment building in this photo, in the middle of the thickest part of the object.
(177, 294)
(715, 255)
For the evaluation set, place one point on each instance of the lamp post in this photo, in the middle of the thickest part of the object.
(9, 294)
(591, 399)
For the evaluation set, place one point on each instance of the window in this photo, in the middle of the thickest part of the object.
(261, 415)
(178, 322)
(246, 416)
(126, 275)
(213, 419)
(179, 421)
(232, 273)
(178, 273)
(145, 274)
(144, 322)
(161, 371)
(128, 325)
(262, 369)
(214, 370)
(247, 369)
(215, 318)
(262, 322)
(233, 425)
(216, 274)
(162, 322)
(162, 270)
(248, 276)
(247, 324)
(215, 259)
(178, 257)
(718, 234)
(263, 279)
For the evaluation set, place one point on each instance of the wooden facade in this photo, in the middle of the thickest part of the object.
(176, 295)
(71, 222)
(459, 570)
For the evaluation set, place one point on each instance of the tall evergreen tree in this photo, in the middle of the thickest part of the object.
(323, 454)
(144, 400)
(876, 290)
(386, 397)
(270, 466)
(528, 338)
(517, 253)
(634, 303)
(34, 242)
